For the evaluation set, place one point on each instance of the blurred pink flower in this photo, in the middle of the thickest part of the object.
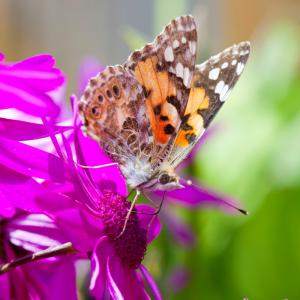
(25, 85)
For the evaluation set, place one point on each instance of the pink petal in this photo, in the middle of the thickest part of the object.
(180, 230)
(62, 281)
(149, 222)
(26, 99)
(34, 232)
(37, 72)
(42, 61)
(83, 231)
(151, 283)
(30, 161)
(123, 281)
(99, 258)
(17, 191)
(21, 131)
(113, 288)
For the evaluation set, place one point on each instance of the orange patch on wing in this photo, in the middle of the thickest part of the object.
(197, 99)
(149, 80)
(160, 86)
(181, 139)
(195, 121)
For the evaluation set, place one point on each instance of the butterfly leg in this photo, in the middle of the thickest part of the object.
(158, 208)
(129, 212)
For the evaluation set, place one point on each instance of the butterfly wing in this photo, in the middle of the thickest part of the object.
(165, 70)
(211, 85)
(135, 110)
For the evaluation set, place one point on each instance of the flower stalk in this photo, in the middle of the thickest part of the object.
(63, 249)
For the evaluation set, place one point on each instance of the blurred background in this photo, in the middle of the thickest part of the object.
(253, 156)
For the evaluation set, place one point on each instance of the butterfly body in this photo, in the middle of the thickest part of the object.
(148, 113)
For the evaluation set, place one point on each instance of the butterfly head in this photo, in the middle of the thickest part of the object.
(162, 181)
(167, 181)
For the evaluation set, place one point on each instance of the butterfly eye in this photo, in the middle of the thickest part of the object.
(116, 91)
(164, 178)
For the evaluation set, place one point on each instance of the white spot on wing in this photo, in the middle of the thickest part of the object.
(239, 68)
(214, 74)
(192, 46)
(175, 44)
(234, 62)
(169, 56)
(179, 70)
(224, 65)
(224, 98)
(186, 76)
(223, 92)
(219, 87)
(183, 40)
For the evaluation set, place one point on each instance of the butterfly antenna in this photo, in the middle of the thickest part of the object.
(243, 211)
(95, 167)
(129, 213)
(160, 204)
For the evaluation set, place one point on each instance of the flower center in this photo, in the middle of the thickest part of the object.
(132, 244)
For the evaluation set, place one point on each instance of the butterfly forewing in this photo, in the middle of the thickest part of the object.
(212, 83)
(165, 70)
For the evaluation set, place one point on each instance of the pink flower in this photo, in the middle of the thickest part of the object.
(53, 278)
(25, 85)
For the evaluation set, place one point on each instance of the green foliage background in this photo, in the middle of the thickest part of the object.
(254, 157)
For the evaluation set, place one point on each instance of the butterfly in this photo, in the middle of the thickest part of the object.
(148, 113)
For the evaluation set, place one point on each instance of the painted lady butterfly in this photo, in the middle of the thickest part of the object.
(148, 113)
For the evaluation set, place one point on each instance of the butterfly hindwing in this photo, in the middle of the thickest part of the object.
(212, 83)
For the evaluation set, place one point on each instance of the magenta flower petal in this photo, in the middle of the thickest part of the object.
(30, 161)
(17, 191)
(151, 283)
(62, 281)
(55, 201)
(82, 231)
(180, 230)
(145, 219)
(178, 279)
(39, 279)
(34, 232)
(27, 100)
(1, 56)
(37, 71)
(24, 85)
(124, 283)
(98, 266)
(22, 131)
(113, 288)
